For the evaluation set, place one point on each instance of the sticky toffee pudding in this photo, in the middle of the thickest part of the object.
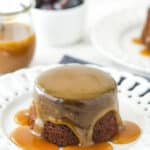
(75, 106)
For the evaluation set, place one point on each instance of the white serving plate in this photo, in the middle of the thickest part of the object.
(16, 94)
(112, 37)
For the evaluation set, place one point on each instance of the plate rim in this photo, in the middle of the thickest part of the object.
(10, 144)
(101, 50)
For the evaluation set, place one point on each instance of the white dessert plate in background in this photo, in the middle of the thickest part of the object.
(134, 99)
(113, 35)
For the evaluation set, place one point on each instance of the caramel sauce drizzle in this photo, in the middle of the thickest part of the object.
(22, 117)
(23, 137)
(100, 146)
(129, 133)
(27, 140)
(145, 51)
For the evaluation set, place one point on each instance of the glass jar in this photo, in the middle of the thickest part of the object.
(17, 38)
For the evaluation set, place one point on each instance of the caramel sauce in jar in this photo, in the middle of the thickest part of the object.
(17, 44)
(129, 133)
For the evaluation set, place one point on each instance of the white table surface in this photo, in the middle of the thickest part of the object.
(97, 9)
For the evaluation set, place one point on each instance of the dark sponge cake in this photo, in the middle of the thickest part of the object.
(75, 105)
(63, 136)
(105, 128)
(59, 134)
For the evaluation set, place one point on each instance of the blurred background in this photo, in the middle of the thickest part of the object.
(56, 28)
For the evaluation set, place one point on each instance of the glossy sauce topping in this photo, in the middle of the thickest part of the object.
(129, 133)
(22, 117)
(75, 82)
(23, 137)
(101, 146)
